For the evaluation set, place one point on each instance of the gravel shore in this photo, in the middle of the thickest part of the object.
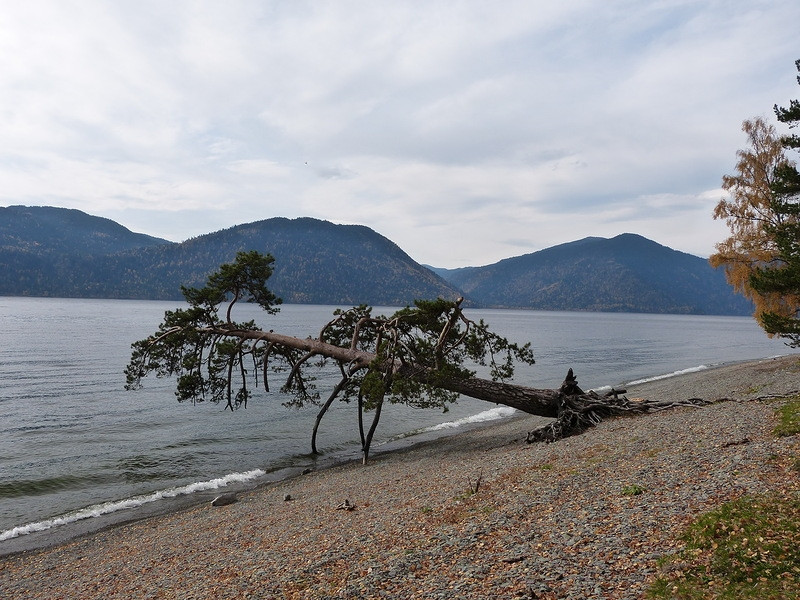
(547, 520)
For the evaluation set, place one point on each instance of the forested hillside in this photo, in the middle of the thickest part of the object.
(57, 252)
(627, 273)
(316, 262)
(46, 229)
(48, 251)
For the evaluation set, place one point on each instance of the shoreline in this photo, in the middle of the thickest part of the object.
(424, 487)
(60, 535)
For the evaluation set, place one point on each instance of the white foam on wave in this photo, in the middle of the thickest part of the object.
(488, 415)
(668, 375)
(105, 508)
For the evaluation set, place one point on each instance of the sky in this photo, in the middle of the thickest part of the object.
(464, 131)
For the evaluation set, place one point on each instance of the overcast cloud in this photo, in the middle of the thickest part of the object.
(464, 131)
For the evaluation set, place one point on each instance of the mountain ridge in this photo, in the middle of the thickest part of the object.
(64, 252)
(317, 262)
(625, 273)
(67, 229)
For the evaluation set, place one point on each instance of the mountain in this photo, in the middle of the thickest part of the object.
(46, 230)
(71, 254)
(47, 251)
(627, 273)
(316, 262)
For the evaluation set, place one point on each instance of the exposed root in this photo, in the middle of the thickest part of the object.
(579, 410)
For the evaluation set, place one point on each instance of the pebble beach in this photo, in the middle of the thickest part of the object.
(480, 514)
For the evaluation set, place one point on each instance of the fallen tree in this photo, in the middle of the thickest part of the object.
(419, 356)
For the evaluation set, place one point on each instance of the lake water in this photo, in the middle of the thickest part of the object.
(77, 451)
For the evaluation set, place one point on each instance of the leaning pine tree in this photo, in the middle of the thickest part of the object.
(422, 356)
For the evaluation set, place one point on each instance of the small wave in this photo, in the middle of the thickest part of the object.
(48, 485)
(488, 415)
(105, 508)
(668, 375)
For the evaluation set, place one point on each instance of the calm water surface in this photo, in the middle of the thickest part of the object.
(75, 447)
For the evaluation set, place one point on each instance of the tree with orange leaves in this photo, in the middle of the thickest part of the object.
(749, 214)
(762, 256)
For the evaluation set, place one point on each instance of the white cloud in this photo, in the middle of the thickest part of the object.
(463, 131)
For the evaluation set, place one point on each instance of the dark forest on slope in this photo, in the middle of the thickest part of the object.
(57, 252)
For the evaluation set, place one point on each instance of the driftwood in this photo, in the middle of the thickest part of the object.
(346, 505)
(578, 410)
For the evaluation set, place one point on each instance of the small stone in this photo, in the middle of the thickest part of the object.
(307, 471)
(287, 498)
(514, 558)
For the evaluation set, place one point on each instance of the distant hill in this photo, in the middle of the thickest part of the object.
(627, 273)
(68, 253)
(48, 251)
(46, 229)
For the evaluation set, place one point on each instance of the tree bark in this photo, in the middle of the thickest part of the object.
(322, 412)
(540, 402)
(368, 440)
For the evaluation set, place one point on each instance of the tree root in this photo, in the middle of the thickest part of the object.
(579, 410)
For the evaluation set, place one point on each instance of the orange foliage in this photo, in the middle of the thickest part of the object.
(749, 215)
